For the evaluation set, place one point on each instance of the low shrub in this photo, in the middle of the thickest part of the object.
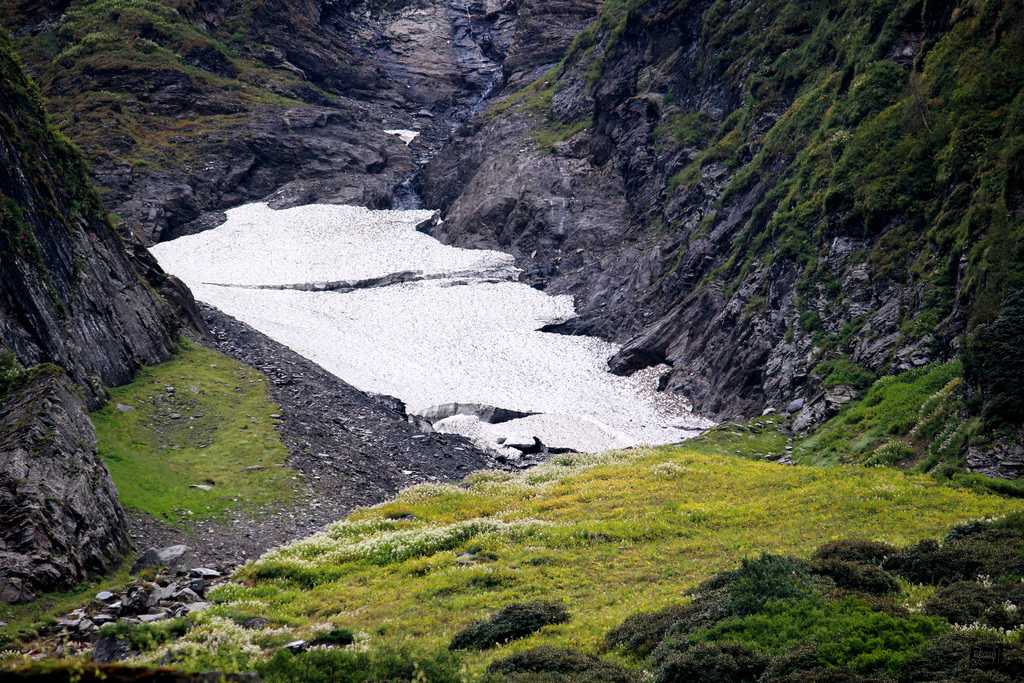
(510, 623)
(145, 637)
(1013, 522)
(964, 656)
(856, 576)
(338, 637)
(348, 666)
(641, 633)
(757, 582)
(712, 663)
(803, 665)
(890, 453)
(865, 552)
(969, 602)
(997, 551)
(847, 633)
(544, 664)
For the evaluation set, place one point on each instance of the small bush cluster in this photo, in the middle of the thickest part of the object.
(856, 550)
(999, 605)
(833, 619)
(641, 633)
(858, 576)
(378, 666)
(713, 663)
(509, 623)
(991, 550)
(558, 665)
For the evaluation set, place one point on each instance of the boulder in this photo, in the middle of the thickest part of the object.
(60, 520)
(172, 557)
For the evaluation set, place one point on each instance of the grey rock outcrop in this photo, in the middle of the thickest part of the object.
(60, 520)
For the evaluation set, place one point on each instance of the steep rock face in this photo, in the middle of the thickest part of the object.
(60, 521)
(186, 108)
(72, 291)
(759, 193)
(74, 294)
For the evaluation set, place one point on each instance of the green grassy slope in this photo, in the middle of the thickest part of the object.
(198, 419)
(606, 535)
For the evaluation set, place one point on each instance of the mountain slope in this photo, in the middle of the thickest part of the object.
(760, 193)
(72, 291)
(81, 309)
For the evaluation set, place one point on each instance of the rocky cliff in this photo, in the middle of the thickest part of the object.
(60, 520)
(82, 308)
(72, 290)
(782, 200)
(186, 108)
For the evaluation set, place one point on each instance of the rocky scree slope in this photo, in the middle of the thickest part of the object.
(780, 199)
(187, 108)
(81, 308)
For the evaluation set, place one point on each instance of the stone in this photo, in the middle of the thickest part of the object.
(122, 408)
(204, 573)
(59, 511)
(162, 594)
(171, 557)
(794, 406)
(187, 595)
(296, 646)
(150, 618)
(104, 596)
(111, 649)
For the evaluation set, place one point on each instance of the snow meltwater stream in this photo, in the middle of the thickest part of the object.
(393, 311)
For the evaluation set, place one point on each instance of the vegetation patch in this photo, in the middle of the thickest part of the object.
(193, 438)
(510, 623)
(894, 406)
(604, 533)
(553, 664)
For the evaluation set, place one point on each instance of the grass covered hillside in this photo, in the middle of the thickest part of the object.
(194, 438)
(580, 545)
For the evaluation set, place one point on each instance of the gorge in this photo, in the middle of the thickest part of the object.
(509, 341)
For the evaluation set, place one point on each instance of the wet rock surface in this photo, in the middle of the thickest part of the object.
(60, 520)
(347, 447)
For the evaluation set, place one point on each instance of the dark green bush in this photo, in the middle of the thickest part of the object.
(856, 576)
(641, 633)
(347, 666)
(558, 665)
(712, 663)
(336, 636)
(847, 633)
(803, 665)
(997, 551)
(865, 552)
(1013, 523)
(963, 657)
(514, 621)
(969, 602)
(757, 582)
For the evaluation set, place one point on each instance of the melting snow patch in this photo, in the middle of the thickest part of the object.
(464, 333)
(407, 136)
